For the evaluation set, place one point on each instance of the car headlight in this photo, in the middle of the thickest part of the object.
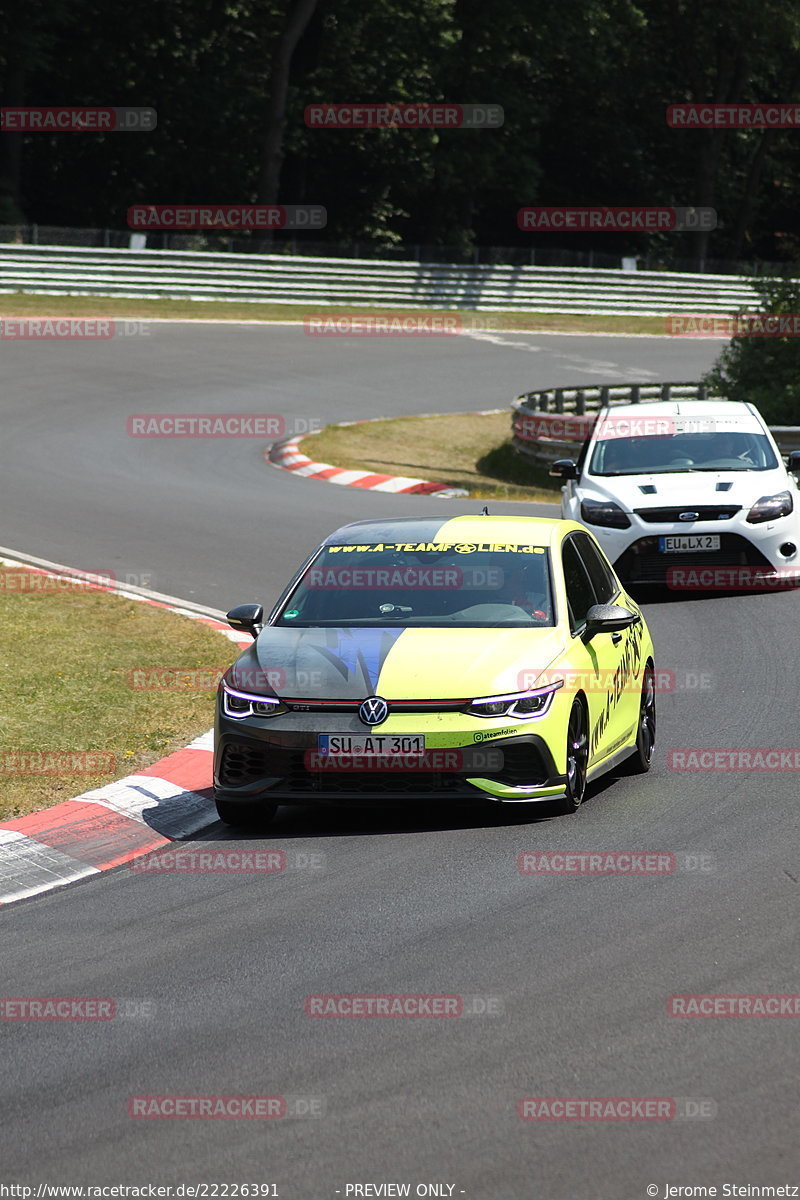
(768, 508)
(524, 706)
(243, 704)
(604, 512)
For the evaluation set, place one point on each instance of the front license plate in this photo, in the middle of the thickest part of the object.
(364, 745)
(688, 543)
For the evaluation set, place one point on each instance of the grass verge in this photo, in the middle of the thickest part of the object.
(19, 304)
(67, 684)
(450, 449)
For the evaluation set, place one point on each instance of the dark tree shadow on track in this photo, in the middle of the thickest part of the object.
(315, 821)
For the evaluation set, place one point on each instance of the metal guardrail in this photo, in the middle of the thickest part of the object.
(553, 423)
(323, 282)
(520, 255)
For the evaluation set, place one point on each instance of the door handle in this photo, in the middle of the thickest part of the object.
(616, 638)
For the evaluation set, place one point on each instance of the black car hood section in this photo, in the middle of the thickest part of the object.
(315, 664)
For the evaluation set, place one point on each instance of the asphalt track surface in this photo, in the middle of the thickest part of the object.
(409, 903)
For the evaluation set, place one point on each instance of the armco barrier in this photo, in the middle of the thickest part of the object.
(542, 449)
(323, 282)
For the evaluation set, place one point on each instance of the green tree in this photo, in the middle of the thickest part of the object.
(700, 54)
(764, 370)
(28, 38)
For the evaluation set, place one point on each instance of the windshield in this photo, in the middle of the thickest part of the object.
(464, 585)
(725, 450)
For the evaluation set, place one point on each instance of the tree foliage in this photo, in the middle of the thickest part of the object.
(584, 85)
(765, 370)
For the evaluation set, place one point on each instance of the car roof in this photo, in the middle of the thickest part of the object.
(538, 531)
(736, 410)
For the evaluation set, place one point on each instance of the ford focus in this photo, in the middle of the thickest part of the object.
(687, 493)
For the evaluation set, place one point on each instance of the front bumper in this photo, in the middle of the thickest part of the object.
(636, 558)
(255, 760)
(643, 562)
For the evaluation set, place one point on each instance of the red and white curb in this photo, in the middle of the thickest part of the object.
(287, 455)
(111, 825)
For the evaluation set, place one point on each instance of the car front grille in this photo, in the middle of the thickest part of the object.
(705, 512)
(377, 783)
(522, 766)
(241, 763)
(244, 763)
(643, 563)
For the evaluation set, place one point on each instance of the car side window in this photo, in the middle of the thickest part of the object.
(580, 590)
(603, 581)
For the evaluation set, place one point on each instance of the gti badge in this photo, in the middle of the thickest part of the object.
(374, 710)
(688, 516)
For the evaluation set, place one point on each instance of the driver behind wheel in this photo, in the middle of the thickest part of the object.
(523, 588)
(729, 445)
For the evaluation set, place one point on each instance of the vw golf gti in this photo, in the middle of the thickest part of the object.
(408, 661)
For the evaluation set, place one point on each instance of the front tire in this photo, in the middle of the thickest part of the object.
(577, 760)
(641, 759)
(245, 816)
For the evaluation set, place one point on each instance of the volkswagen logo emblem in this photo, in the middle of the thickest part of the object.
(688, 516)
(374, 710)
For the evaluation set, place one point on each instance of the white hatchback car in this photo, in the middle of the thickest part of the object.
(686, 484)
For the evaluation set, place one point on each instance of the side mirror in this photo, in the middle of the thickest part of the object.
(793, 461)
(609, 618)
(246, 618)
(564, 468)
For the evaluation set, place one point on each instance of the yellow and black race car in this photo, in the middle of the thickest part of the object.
(477, 658)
